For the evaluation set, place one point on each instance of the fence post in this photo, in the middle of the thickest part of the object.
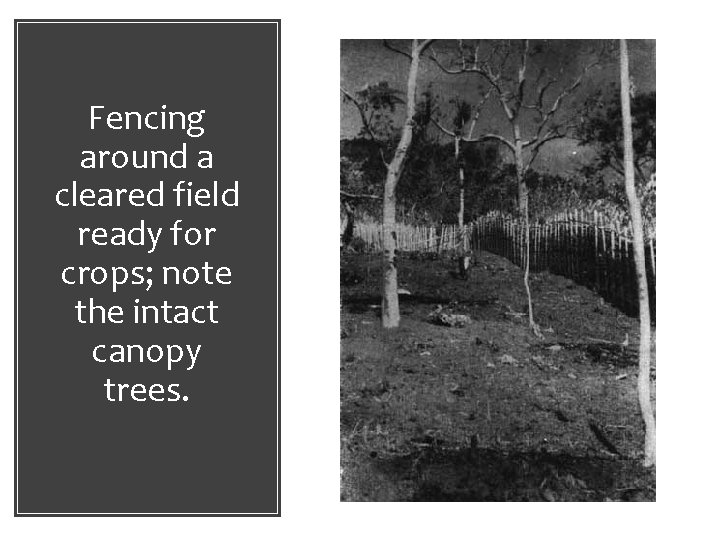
(613, 272)
(546, 263)
(565, 244)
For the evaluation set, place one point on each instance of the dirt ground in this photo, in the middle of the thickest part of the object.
(488, 411)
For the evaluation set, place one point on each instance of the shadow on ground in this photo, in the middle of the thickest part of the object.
(472, 474)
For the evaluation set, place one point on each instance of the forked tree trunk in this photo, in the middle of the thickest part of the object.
(390, 304)
(639, 255)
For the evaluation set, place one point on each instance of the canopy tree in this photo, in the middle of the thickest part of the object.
(525, 83)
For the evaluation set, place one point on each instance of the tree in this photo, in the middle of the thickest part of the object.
(464, 122)
(376, 105)
(421, 192)
(506, 67)
(601, 126)
(390, 303)
(639, 257)
(353, 191)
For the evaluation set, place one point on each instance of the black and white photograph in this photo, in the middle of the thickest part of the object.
(497, 270)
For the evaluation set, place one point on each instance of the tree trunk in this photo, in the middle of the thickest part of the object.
(461, 182)
(390, 303)
(522, 196)
(524, 210)
(639, 254)
(349, 231)
(520, 171)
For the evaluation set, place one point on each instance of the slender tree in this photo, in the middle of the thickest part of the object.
(464, 123)
(639, 255)
(390, 303)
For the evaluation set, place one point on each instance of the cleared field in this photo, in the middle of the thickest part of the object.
(487, 412)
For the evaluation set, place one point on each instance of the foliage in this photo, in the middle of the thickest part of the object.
(361, 173)
(352, 176)
(463, 111)
(427, 108)
(378, 103)
(428, 190)
(601, 127)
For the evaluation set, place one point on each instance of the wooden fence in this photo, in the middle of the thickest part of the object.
(582, 246)
(411, 238)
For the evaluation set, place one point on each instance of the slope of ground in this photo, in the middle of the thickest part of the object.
(487, 412)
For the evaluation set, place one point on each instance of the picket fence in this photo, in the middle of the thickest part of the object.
(415, 238)
(580, 245)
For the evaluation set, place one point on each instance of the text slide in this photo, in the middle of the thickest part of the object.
(147, 189)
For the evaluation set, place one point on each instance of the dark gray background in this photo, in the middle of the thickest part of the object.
(79, 453)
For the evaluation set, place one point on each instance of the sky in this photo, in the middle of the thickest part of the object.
(368, 61)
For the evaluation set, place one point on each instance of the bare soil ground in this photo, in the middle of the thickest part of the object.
(487, 412)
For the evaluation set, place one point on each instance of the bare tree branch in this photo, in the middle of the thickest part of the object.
(443, 128)
(541, 89)
(434, 58)
(483, 69)
(535, 150)
(424, 45)
(513, 102)
(504, 60)
(387, 45)
(358, 195)
(521, 77)
(366, 122)
(478, 108)
(547, 115)
(493, 137)
(361, 110)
